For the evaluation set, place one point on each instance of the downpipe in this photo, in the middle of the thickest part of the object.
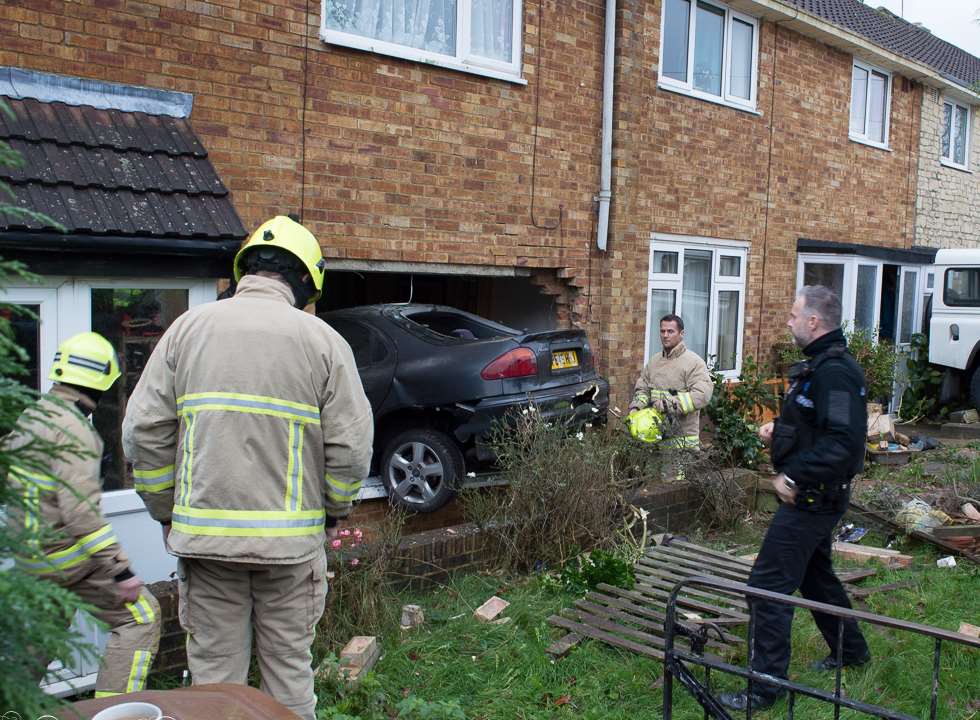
(604, 197)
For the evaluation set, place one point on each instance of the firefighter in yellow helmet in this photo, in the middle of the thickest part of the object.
(250, 435)
(58, 472)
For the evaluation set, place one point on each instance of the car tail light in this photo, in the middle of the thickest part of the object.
(516, 363)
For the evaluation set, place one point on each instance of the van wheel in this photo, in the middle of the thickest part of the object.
(975, 389)
(422, 469)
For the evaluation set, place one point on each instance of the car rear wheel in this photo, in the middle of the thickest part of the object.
(422, 469)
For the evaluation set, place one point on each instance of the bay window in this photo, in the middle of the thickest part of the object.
(710, 51)
(479, 36)
(703, 281)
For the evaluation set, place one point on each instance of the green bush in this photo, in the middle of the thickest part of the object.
(733, 410)
(586, 571)
(921, 397)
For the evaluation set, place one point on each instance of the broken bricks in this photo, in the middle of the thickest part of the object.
(412, 617)
(490, 609)
(358, 656)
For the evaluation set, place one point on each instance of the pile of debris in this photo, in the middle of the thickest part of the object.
(886, 445)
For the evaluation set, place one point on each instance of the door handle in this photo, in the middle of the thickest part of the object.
(954, 332)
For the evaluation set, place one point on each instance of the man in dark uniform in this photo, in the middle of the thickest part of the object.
(817, 448)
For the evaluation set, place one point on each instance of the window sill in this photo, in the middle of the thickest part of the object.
(332, 37)
(869, 143)
(955, 166)
(714, 99)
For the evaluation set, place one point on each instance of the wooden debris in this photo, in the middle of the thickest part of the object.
(490, 609)
(951, 531)
(971, 511)
(931, 539)
(850, 576)
(563, 645)
(964, 416)
(968, 629)
(866, 553)
(412, 617)
(863, 592)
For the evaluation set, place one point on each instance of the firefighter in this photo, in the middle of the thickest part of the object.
(676, 383)
(58, 472)
(250, 434)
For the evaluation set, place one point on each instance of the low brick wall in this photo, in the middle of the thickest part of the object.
(429, 557)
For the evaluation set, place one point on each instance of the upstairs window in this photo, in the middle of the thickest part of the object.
(480, 36)
(956, 135)
(710, 51)
(870, 100)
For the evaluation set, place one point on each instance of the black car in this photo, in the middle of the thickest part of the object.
(438, 378)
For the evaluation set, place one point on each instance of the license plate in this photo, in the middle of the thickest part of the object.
(564, 360)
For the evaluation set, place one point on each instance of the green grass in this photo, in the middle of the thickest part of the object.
(501, 671)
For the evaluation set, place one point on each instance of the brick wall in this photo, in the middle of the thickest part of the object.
(948, 203)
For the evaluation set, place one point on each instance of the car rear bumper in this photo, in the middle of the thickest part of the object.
(575, 405)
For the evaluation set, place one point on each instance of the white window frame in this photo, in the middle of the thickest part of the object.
(687, 88)
(463, 60)
(948, 161)
(719, 283)
(863, 137)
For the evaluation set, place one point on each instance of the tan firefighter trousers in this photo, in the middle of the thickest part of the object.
(134, 636)
(223, 603)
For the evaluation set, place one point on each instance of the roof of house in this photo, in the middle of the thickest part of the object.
(891, 32)
(107, 172)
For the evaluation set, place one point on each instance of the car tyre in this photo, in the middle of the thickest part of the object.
(975, 389)
(421, 469)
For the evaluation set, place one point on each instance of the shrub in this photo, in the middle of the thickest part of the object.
(586, 571)
(734, 411)
(921, 397)
(565, 490)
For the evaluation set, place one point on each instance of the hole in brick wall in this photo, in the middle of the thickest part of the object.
(521, 302)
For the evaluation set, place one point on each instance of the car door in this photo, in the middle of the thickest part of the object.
(374, 354)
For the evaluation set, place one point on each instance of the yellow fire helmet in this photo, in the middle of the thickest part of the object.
(286, 233)
(646, 425)
(87, 360)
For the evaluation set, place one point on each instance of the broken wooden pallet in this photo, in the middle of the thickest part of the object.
(634, 619)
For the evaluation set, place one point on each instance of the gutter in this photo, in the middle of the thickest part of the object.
(608, 86)
(72, 242)
(810, 25)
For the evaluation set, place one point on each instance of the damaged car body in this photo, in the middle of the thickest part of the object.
(438, 380)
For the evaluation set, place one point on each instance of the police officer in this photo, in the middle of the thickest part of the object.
(817, 447)
(250, 434)
(58, 475)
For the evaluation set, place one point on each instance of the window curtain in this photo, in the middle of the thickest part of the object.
(423, 24)
(492, 29)
(696, 299)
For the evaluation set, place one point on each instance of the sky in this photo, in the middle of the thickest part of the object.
(952, 20)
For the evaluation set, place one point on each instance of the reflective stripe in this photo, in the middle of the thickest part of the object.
(88, 364)
(660, 393)
(105, 693)
(73, 556)
(163, 477)
(686, 402)
(187, 462)
(341, 492)
(44, 482)
(238, 402)
(238, 523)
(294, 469)
(138, 671)
(641, 398)
(32, 508)
(142, 611)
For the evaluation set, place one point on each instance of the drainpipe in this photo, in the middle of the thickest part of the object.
(608, 83)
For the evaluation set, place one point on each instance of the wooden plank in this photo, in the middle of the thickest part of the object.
(863, 592)
(849, 576)
(693, 568)
(706, 561)
(608, 638)
(932, 540)
(644, 610)
(668, 580)
(950, 531)
(863, 554)
(707, 551)
(732, 618)
(613, 614)
(680, 571)
(563, 645)
(687, 602)
(720, 605)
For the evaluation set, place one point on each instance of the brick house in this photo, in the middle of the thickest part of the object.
(458, 157)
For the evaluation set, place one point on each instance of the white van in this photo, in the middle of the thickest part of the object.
(954, 328)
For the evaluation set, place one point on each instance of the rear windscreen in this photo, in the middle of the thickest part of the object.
(461, 327)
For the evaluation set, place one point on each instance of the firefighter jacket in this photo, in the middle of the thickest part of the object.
(818, 439)
(58, 460)
(249, 430)
(681, 381)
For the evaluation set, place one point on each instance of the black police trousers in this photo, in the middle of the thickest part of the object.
(795, 555)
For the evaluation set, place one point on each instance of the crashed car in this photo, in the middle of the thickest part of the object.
(438, 379)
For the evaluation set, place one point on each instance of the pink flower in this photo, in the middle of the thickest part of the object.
(335, 544)
(344, 533)
(358, 533)
(355, 562)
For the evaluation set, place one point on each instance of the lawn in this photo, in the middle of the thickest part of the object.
(456, 667)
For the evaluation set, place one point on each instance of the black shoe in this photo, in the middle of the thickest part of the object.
(740, 701)
(829, 663)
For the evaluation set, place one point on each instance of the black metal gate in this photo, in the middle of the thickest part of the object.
(676, 658)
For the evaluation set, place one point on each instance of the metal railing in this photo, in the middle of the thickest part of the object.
(675, 657)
